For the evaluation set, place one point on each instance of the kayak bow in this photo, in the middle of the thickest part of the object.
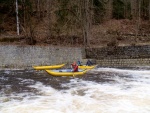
(87, 67)
(48, 67)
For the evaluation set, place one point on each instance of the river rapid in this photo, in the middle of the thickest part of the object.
(101, 90)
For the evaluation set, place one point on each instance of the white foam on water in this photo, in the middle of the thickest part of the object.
(127, 95)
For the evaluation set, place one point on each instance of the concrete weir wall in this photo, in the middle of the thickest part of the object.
(14, 56)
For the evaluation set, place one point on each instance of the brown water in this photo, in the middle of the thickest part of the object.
(102, 90)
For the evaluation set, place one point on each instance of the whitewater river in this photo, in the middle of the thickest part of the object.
(102, 90)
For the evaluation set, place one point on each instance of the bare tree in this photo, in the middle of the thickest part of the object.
(38, 9)
(134, 9)
(127, 10)
(17, 18)
(109, 9)
(138, 18)
(49, 16)
(86, 21)
(149, 9)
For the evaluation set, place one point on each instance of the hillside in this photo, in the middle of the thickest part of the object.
(121, 32)
(75, 23)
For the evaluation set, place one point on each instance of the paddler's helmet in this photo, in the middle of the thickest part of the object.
(74, 63)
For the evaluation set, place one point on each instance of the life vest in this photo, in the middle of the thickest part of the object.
(75, 67)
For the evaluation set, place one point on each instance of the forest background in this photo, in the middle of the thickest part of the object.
(88, 23)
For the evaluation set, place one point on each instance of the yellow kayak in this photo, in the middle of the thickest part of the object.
(87, 67)
(65, 72)
(61, 65)
(48, 67)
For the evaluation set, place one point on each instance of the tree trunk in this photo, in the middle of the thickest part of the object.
(109, 9)
(149, 9)
(49, 8)
(17, 18)
(86, 22)
(24, 18)
(138, 19)
(126, 11)
(38, 9)
(134, 9)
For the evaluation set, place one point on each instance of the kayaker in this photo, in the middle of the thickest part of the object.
(79, 63)
(74, 67)
(89, 63)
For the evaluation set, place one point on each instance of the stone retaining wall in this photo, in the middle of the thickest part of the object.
(124, 62)
(128, 56)
(13, 56)
(126, 52)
